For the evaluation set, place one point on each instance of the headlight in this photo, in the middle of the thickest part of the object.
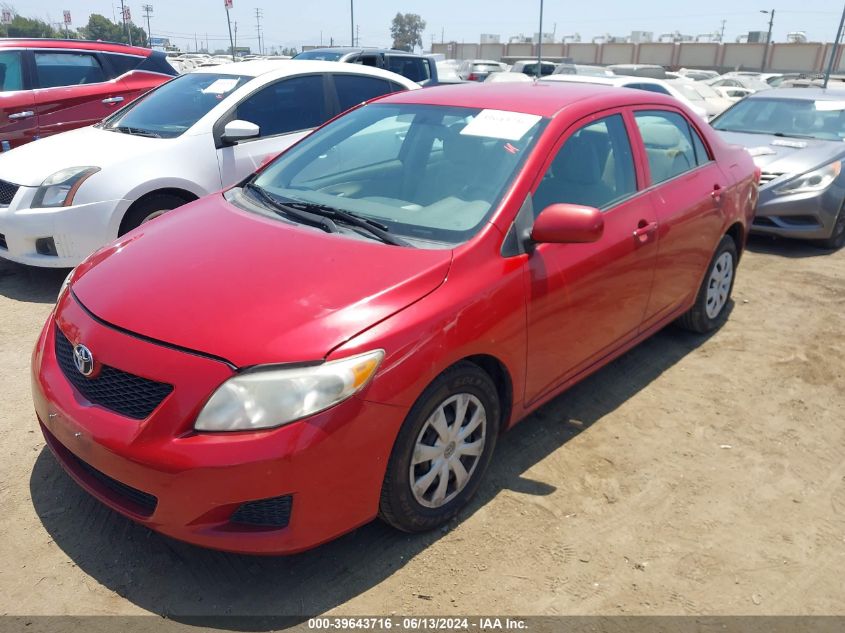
(816, 180)
(267, 398)
(58, 190)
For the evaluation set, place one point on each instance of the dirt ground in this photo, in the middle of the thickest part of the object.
(692, 476)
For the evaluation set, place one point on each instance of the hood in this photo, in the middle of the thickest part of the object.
(212, 278)
(786, 155)
(28, 165)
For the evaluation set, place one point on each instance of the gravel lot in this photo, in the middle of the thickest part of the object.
(692, 476)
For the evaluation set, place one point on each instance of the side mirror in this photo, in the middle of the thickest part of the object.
(238, 130)
(567, 224)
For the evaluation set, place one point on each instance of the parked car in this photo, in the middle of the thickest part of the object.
(652, 71)
(529, 67)
(701, 95)
(64, 196)
(796, 137)
(338, 338)
(733, 94)
(697, 74)
(750, 82)
(50, 86)
(638, 83)
(479, 69)
(417, 68)
(513, 78)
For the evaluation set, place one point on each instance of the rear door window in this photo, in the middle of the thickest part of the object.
(11, 71)
(355, 89)
(413, 68)
(668, 144)
(122, 64)
(67, 69)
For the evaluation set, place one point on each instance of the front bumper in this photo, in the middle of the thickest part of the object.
(77, 231)
(331, 465)
(808, 216)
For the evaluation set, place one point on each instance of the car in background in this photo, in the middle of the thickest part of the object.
(65, 196)
(701, 95)
(652, 71)
(733, 94)
(506, 77)
(50, 86)
(796, 138)
(638, 83)
(418, 68)
(750, 81)
(330, 340)
(697, 74)
(529, 67)
(478, 69)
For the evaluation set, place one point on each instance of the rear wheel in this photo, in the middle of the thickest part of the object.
(837, 236)
(710, 310)
(148, 209)
(442, 450)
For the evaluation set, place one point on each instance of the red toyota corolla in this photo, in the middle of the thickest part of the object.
(345, 334)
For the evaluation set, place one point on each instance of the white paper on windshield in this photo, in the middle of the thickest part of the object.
(220, 87)
(782, 142)
(761, 151)
(829, 106)
(510, 126)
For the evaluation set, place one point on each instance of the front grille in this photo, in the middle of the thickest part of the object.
(273, 512)
(113, 389)
(768, 176)
(7, 192)
(129, 498)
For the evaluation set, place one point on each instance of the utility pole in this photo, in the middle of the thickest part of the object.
(259, 13)
(834, 50)
(148, 12)
(722, 32)
(540, 43)
(352, 20)
(234, 50)
(768, 38)
(126, 30)
(357, 35)
(196, 44)
(229, 22)
(442, 34)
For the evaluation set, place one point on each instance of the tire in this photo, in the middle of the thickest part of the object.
(837, 237)
(147, 208)
(710, 310)
(465, 387)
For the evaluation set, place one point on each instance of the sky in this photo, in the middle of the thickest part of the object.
(294, 23)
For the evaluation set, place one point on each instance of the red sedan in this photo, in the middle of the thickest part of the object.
(345, 334)
(51, 86)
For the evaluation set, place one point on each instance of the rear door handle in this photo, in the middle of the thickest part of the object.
(112, 100)
(644, 231)
(21, 115)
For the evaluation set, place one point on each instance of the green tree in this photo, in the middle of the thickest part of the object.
(28, 27)
(100, 27)
(407, 30)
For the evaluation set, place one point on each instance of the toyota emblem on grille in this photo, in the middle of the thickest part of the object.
(83, 359)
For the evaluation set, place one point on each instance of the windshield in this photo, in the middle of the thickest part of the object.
(801, 118)
(324, 56)
(174, 107)
(431, 174)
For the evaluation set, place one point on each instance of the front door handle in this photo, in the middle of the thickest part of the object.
(717, 192)
(112, 100)
(21, 115)
(643, 232)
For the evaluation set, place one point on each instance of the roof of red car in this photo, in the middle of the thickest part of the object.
(541, 98)
(88, 45)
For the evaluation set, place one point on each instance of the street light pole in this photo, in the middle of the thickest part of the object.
(834, 50)
(352, 20)
(540, 43)
(768, 38)
(231, 39)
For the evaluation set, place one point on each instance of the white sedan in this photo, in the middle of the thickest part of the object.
(64, 196)
(630, 81)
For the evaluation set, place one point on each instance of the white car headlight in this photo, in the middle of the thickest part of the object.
(58, 190)
(816, 180)
(266, 398)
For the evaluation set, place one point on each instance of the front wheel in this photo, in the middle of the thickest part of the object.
(148, 209)
(442, 450)
(710, 310)
(837, 236)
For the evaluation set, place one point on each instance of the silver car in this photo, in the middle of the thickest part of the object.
(797, 138)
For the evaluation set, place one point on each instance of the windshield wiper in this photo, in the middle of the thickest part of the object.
(373, 227)
(782, 135)
(136, 131)
(300, 216)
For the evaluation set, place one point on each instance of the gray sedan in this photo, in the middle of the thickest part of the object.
(797, 139)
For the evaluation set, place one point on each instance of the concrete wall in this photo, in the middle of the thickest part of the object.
(782, 57)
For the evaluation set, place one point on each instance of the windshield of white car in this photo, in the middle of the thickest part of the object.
(172, 108)
(801, 118)
(323, 56)
(430, 174)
